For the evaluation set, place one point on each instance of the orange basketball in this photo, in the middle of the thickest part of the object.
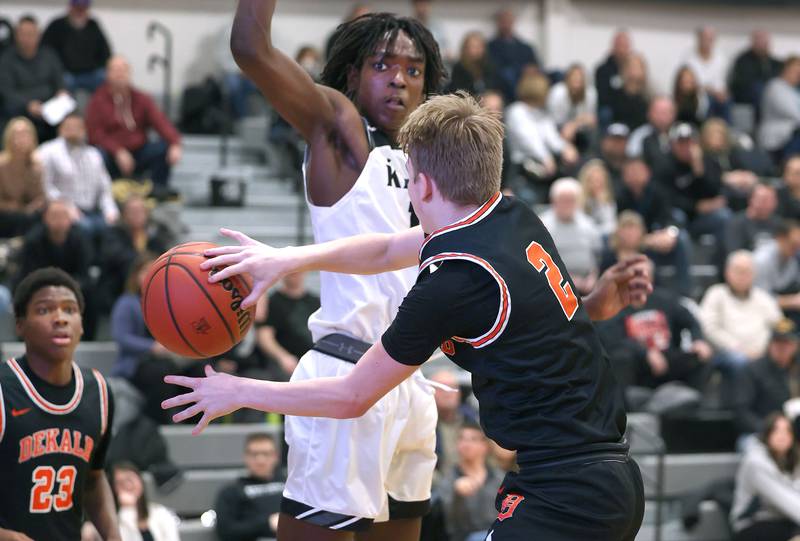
(185, 312)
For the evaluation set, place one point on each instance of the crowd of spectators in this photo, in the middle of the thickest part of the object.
(612, 168)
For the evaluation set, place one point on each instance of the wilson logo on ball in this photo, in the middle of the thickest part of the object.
(242, 316)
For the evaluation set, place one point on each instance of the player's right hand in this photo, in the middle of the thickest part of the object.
(264, 263)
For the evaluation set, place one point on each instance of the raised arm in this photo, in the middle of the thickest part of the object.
(362, 254)
(308, 107)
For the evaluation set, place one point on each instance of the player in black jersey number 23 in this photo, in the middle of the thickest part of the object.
(55, 421)
(494, 295)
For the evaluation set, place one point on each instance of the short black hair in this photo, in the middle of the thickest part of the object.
(39, 279)
(469, 424)
(259, 436)
(355, 40)
(28, 18)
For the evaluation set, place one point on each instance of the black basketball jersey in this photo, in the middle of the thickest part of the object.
(539, 372)
(47, 450)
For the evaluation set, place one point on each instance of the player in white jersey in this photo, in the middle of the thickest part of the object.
(345, 474)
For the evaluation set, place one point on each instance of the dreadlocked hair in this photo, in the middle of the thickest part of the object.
(355, 40)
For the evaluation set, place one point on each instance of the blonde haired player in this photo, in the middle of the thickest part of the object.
(493, 293)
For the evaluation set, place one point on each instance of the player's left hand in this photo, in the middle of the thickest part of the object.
(627, 282)
(214, 396)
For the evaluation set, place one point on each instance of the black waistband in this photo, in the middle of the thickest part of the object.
(529, 461)
(342, 347)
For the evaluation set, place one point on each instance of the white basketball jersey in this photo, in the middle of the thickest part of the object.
(362, 307)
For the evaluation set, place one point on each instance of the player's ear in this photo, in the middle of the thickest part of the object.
(428, 187)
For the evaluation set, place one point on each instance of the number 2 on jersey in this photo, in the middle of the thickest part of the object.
(44, 478)
(541, 261)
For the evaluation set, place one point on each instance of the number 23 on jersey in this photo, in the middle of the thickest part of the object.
(562, 289)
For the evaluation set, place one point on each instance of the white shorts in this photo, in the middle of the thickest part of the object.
(345, 474)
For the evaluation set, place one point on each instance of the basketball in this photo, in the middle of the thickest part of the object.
(185, 312)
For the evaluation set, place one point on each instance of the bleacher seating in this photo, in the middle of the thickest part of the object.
(99, 355)
(195, 493)
(219, 446)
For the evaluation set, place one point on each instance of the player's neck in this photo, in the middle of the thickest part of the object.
(55, 372)
(447, 213)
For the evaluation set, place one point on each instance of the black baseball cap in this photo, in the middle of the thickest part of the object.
(683, 130)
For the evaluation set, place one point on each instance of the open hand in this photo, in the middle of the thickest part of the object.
(264, 263)
(625, 283)
(214, 396)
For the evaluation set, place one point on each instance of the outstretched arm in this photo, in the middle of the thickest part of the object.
(361, 254)
(341, 397)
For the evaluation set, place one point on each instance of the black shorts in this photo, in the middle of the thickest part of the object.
(600, 499)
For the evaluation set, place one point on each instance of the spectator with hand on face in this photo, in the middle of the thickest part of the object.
(248, 508)
(140, 519)
(470, 487)
(119, 118)
(30, 75)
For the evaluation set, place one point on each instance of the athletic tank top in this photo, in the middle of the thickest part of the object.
(362, 307)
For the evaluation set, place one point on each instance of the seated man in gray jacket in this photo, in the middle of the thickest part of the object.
(779, 132)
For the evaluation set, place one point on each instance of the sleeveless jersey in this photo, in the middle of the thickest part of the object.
(46, 452)
(540, 373)
(363, 306)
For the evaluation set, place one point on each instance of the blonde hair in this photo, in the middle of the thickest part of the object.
(714, 124)
(459, 144)
(533, 89)
(583, 178)
(8, 151)
(626, 218)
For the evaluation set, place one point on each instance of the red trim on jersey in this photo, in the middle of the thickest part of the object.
(505, 297)
(2, 415)
(473, 218)
(101, 384)
(39, 400)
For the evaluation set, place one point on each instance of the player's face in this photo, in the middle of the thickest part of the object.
(390, 84)
(261, 458)
(52, 326)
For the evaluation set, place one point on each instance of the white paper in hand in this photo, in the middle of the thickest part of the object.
(56, 109)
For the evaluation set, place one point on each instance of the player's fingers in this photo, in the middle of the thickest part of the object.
(210, 371)
(202, 424)
(254, 295)
(238, 236)
(183, 381)
(188, 413)
(227, 272)
(220, 250)
(180, 400)
(222, 260)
